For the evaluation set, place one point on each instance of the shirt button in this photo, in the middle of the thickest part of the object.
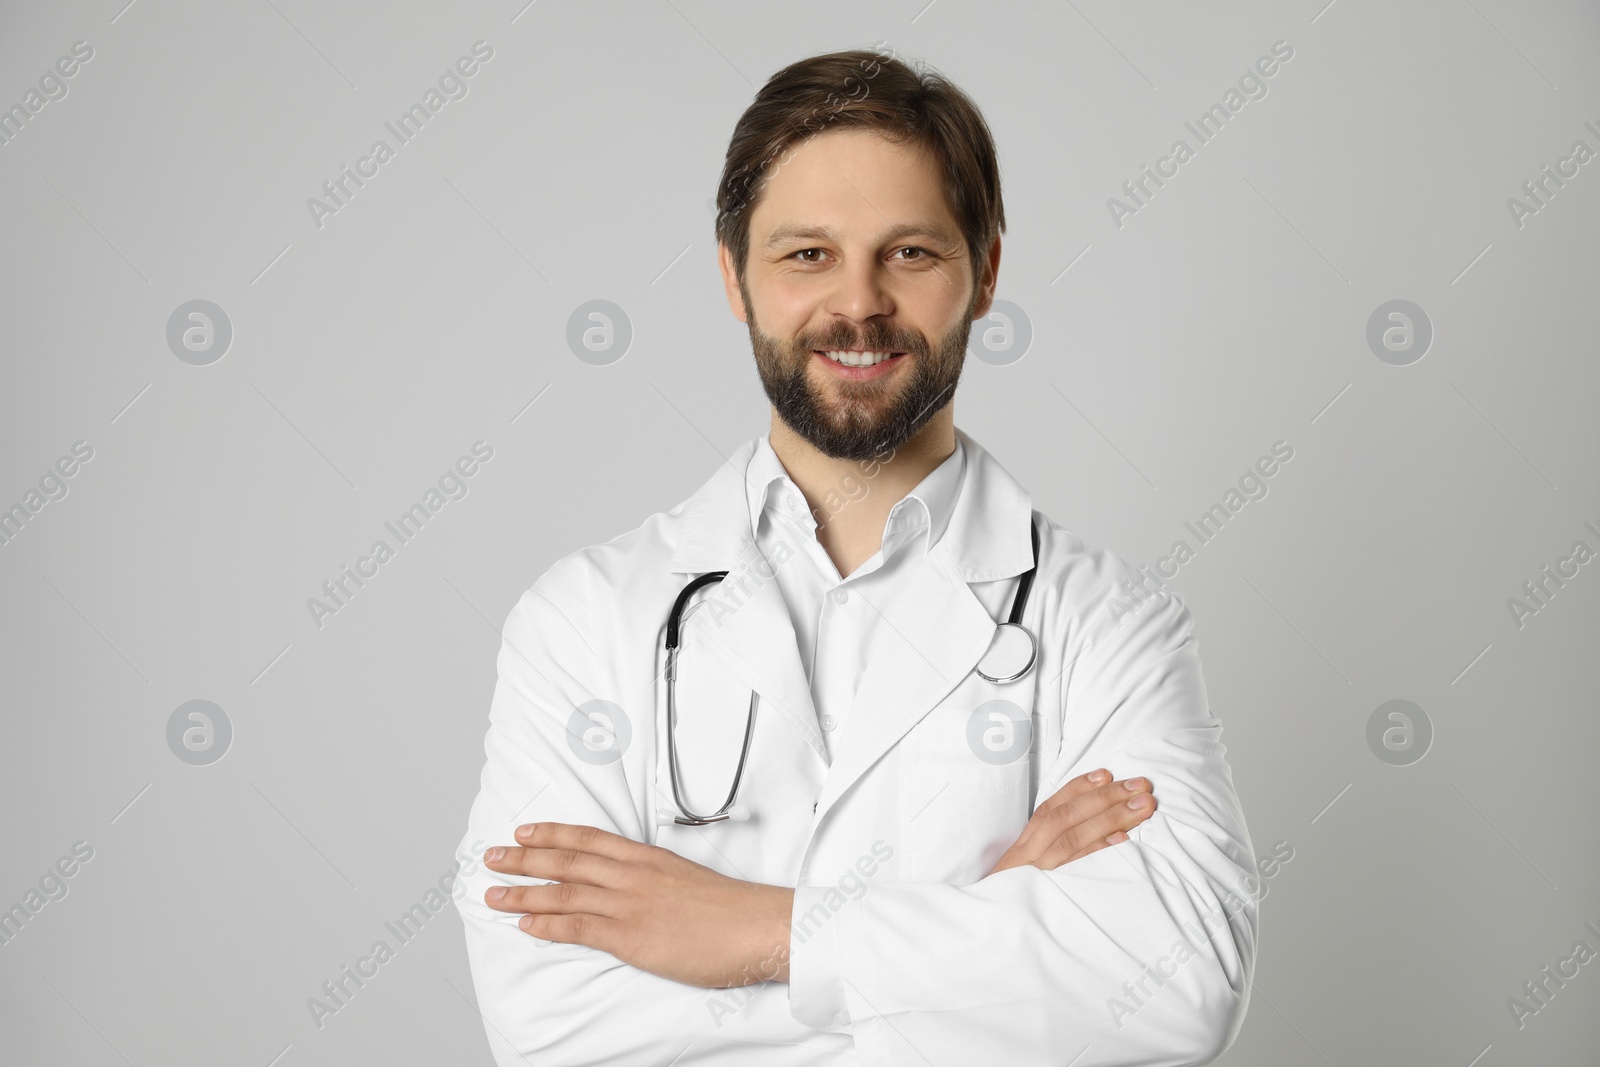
(788, 502)
(840, 595)
(841, 1018)
(829, 722)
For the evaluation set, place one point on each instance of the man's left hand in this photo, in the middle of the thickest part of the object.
(645, 905)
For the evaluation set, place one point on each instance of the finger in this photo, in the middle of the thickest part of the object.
(1104, 842)
(580, 838)
(562, 898)
(577, 928)
(1073, 810)
(1071, 824)
(1121, 806)
(1077, 787)
(1091, 805)
(556, 864)
(1122, 815)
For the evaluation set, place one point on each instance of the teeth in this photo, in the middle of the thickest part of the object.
(858, 359)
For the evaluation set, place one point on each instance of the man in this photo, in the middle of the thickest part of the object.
(936, 867)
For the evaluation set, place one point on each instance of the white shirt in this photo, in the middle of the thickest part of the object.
(835, 622)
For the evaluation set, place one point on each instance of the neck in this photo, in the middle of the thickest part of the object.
(851, 499)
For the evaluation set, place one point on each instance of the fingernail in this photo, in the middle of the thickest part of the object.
(494, 854)
(526, 922)
(526, 831)
(496, 893)
(1134, 784)
(1140, 801)
(1099, 776)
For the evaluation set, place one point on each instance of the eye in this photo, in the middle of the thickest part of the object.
(922, 254)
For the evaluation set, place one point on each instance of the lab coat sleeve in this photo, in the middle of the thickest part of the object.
(1140, 953)
(548, 1002)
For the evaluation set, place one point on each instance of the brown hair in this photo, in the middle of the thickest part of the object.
(863, 89)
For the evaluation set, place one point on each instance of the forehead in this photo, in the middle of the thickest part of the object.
(852, 180)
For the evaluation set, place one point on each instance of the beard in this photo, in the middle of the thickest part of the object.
(860, 420)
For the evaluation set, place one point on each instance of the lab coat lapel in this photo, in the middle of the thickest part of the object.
(745, 623)
(937, 628)
(935, 633)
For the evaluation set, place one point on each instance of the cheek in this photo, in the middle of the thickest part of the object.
(783, 309)
(936, 307)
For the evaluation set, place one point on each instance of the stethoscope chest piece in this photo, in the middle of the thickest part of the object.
(1010, 654)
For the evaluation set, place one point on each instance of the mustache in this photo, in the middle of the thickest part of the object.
(877, 343)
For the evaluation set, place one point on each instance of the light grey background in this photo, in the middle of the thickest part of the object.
(431, 311)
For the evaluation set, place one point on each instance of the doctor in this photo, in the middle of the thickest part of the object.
(927, 866)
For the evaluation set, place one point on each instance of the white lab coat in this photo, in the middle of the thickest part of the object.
(903, 952)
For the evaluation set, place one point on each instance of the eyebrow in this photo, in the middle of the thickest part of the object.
(798, 232)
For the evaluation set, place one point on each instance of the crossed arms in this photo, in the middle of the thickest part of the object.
(1103, 929)
(653, 909)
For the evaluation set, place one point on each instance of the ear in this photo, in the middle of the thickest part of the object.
(730, 281)
(986, 284)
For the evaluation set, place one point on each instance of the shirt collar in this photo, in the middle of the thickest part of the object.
(986, 538)
(928, 505)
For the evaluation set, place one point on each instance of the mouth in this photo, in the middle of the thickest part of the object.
(858, 365)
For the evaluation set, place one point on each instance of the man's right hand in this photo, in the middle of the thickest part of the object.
(1085, 815)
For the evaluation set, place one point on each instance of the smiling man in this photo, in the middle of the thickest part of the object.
(844, 813)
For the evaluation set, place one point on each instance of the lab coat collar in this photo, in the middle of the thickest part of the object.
(943, 628)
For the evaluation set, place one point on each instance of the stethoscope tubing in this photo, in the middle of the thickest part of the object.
(689, 818)
(673, 639)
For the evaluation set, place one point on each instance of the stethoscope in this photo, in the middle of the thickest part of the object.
(1013, 645)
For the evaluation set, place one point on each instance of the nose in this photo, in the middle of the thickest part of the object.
(859, 291)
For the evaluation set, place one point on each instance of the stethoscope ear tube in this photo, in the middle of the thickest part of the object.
(683, 598)
(1025, 583)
